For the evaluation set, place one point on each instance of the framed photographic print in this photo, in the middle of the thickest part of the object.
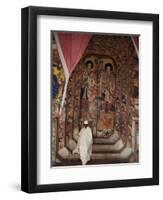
(90, 99)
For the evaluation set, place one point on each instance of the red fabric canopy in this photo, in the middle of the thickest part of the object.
(73, 46)
(136, 41)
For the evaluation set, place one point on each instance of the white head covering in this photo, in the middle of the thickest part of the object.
(86, 122)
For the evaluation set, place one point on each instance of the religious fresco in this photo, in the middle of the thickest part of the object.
(102, 88)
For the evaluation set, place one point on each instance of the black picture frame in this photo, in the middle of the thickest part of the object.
(29, 99)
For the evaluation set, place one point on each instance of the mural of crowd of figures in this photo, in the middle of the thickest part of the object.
(103, 89)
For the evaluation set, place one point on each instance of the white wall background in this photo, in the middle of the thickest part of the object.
(10, 86)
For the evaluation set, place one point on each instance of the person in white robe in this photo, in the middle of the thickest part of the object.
(84, 144)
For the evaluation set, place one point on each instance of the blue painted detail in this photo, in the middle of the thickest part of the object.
(55, 86)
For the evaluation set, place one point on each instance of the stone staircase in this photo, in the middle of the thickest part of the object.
(105, 150)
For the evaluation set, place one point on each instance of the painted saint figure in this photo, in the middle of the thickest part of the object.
(108, 87)
(84, 145)
(87, 91)
(58, 83)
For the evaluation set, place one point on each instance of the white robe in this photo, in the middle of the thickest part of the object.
(84, 145)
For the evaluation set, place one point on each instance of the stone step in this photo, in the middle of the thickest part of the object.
(126, 152)
(97, 135)
(106, 140)
(108, 148)
(111, 140)
(99, 158)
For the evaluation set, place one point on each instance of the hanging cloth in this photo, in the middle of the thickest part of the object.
(71, 47)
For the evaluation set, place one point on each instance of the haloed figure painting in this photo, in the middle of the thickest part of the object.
(94, 98)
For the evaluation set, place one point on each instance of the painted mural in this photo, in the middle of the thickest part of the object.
(102, 90)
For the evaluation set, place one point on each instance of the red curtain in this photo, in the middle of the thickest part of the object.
(73, 46)
(136, 41)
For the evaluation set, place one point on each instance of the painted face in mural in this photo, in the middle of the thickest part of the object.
(89, 65)
(108, 68)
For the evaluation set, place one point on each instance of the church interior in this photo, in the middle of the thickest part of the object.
(101, 86)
